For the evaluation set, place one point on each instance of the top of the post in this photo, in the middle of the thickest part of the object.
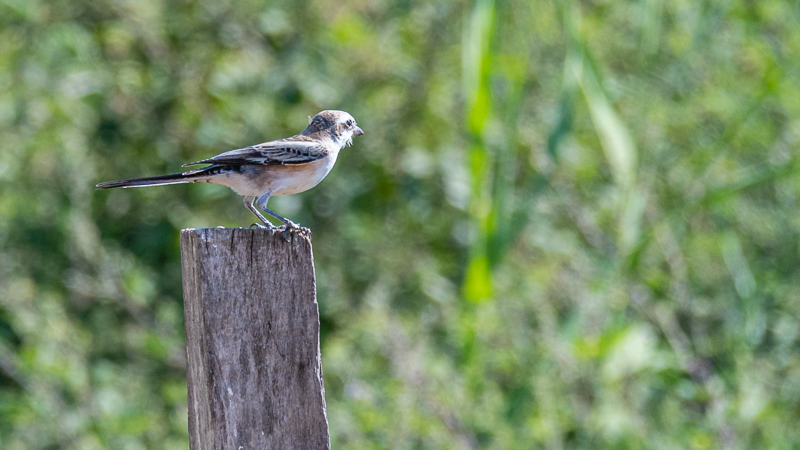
(292, 235)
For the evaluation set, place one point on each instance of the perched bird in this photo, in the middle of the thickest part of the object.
(282, 167)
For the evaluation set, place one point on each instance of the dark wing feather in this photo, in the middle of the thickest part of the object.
(294, 150)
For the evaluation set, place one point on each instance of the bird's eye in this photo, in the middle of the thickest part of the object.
(349, 122)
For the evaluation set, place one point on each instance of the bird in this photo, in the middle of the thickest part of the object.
(280, 167)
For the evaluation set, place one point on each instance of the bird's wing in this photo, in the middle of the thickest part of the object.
(293, 150)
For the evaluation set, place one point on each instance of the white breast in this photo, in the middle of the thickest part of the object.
(303, 177)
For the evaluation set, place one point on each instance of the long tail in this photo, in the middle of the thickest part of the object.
(192, 176)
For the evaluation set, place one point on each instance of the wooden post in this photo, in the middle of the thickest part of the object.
(252, 341)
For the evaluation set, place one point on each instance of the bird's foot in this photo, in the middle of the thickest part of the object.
(263, 226)
(289, 226)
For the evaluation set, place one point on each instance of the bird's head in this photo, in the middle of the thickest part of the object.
(339, 125)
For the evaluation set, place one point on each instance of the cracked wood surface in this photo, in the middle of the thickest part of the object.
(252, 340)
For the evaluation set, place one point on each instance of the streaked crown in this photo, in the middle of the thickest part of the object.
(336, 122)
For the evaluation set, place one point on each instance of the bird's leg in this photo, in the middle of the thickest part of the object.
(249, 202)
(262, 203)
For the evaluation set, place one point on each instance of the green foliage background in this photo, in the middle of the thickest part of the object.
(569, 225)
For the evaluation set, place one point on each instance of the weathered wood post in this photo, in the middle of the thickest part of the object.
(252, 341)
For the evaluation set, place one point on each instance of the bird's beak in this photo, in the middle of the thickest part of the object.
(358, 131)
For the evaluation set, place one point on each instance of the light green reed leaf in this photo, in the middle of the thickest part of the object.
(477, 66)
(476, 60)
(614, 135)
(615, 138)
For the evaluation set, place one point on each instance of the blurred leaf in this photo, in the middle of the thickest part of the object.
(477, 64)
(614, 135)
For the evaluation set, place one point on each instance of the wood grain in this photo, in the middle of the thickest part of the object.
(252, 341)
